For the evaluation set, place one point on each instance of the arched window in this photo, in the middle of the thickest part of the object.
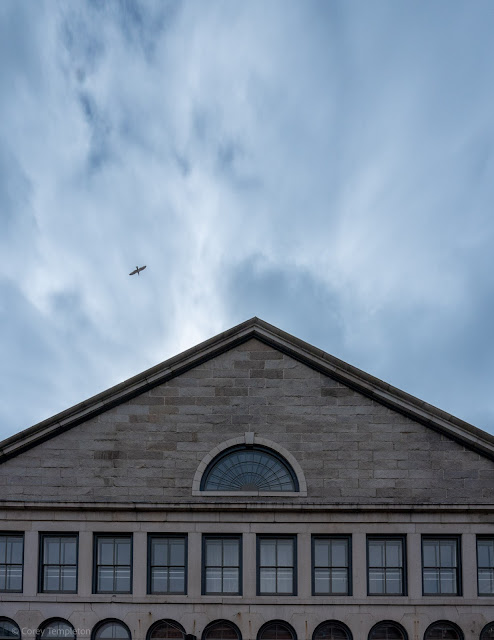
(9, 630)
(443, 630)
(166, 630)
(487, 632)
(221, 630)
(276, 630)
(388, 630)
(56, 629)
(249, 468)
(332, 630)
(111, 630)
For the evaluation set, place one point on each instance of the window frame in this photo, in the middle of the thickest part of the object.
(478, 538)
(269, 623)
(397, 625)
(96, 538)
(338, 623)
(265, 536)
(149, 580)
(14, 534)
(100, 623)
(226, 536)
(458, 629)
(459, 577)
(13, 623)
(404, 576)
(486, 628)
(170, 622)
(214, 623)
(41, 555)
(349, 568)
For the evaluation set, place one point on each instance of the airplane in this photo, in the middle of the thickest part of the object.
(137, 270)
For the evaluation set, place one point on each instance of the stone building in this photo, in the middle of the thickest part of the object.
(254, 488)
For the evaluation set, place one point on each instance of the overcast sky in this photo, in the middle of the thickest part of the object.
(327, 166)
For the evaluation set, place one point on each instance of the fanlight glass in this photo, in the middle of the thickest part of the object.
(386, 631)
(331, 631)
(56, 630)
(488, 632)
(276, 631)
(249, 469)
(221, 630)
(9, 630)
(442, 631)
(166, 630)
(112, 630)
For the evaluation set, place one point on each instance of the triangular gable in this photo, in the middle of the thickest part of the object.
(466, 434)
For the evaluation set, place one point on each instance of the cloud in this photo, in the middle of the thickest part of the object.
(324, 166)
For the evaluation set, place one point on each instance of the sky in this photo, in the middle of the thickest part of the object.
(324, 165)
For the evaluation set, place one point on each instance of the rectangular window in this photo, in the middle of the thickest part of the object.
(58, 563)
(386, 565)
(222, 565)
(331, 565)
(167, 567)
(441, 565)
(276, 572)
(11, 561)
(485, 566)
(112, 564)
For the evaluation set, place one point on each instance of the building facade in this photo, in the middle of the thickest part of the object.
(253, 488)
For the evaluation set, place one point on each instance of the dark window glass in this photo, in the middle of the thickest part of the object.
(276, 631)
(167, 564)
(249, 469)
(57, 630)
(11, 560)
(58, 563)
(331, 568)
(221, 630)
(113, 566)
(276, 565)
(332, 631)
(488, 632)
(166, 630)
(485, 566)
(111, 630)
(386, 566)
(443, 631)
(222, 565)
(440, 566)
(387, 631)
(9, 630)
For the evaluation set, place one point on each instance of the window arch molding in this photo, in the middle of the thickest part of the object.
(249, 439)
(442, 623)
(331, 625)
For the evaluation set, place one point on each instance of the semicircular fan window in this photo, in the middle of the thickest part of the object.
(249, 469)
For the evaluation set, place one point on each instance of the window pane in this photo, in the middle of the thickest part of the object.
(285, 553)
(177, 552)
(69, 581)
(230, 580)
(3, 577)
(268, 580)
(105, 579)
(52, 551)
(393, 581)
(177, 580)
(14, 578)
(339, 582)
(15, 550)
(448, 553)
(448, 581)
(122, 579)
(376, 553)
(486, 553)
(268, 553)
(159, 552)
(159, 580)
(52, 579)
(339, 553)
(486, 581)
(431, 581)
(285, 580)
(376, 581)
(213, 580)
(431, 555)
(105, 551)
(69, 550)
(9, 630)
(393, 553)
(321, 581)
(214, 553)
(321, 553)
(230, 552)
(123, 552)
(3, 549)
